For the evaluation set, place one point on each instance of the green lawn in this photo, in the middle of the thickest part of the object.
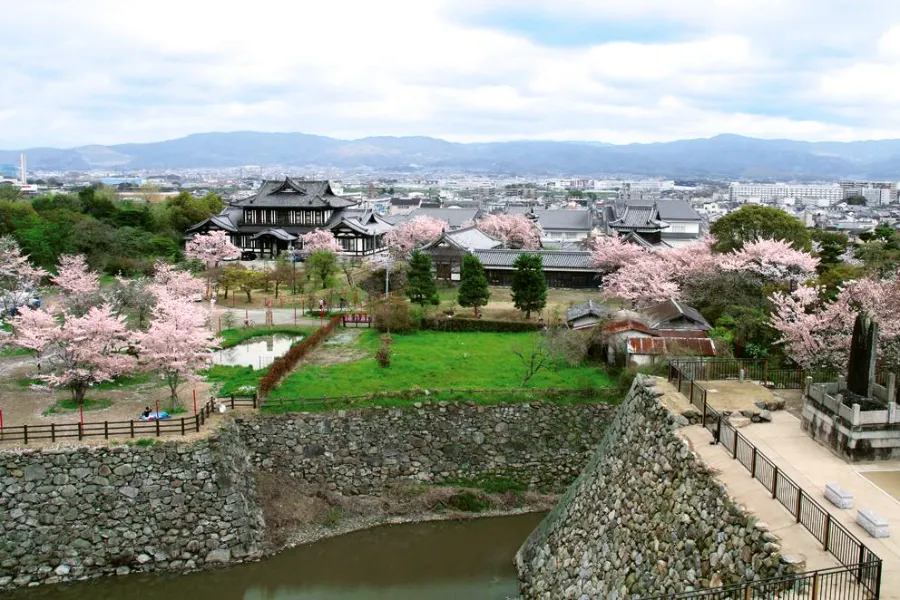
(437, 360)
(233, 337)
(234, 380)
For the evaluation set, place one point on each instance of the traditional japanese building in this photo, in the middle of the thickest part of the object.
(664, 223)
(272, 220)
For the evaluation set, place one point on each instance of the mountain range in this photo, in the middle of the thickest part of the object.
(723, 156)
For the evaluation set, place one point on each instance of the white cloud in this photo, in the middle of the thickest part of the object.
(102, 71)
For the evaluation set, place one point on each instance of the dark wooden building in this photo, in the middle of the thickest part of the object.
(563, 269)
(272, 220)
(448, 250)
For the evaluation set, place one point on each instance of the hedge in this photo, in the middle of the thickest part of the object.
(285, 363)
(462, 324)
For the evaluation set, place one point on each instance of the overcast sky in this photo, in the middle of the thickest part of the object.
(94, 71)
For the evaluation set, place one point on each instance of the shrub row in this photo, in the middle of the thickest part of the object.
(283, 364)
(462, 324)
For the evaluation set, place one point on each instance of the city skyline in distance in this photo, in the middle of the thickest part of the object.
(463, 71)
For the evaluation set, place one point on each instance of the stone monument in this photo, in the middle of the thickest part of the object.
(861, 368)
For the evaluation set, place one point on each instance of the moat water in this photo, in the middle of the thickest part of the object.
(446, 560)
(258, 352)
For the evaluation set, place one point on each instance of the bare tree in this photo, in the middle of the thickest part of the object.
(534, 358)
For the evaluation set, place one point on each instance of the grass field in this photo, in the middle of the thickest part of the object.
(234, 380)
(436, 360)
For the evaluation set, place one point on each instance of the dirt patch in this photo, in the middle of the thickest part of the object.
(298, 513)
(27, 404)
(735, 396)
(339, 348)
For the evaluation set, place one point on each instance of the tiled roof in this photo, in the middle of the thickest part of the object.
(472, 238)
(677, 346)
(552, 259)
(281, 234)
(565, 220)
(587, 308)
(455, 217)
(296, 193)
(637, 216)
(676, 210)
(670, 309)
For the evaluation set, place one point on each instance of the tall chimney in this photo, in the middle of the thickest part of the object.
(24, 178)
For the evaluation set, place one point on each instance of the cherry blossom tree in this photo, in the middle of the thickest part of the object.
(18, 278)
(320, 239)
(646, 280)
(414, 233)
(79, 286)
(515, 231)
(211, 248)
(692, 261)
(170, 282)
(610, 253)
(773, 260)
(79, 351)
(176, 344)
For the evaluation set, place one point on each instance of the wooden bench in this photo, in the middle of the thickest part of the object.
(838, 496)
(874, 524)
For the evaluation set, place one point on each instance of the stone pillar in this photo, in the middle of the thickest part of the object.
(855, 420)
(808, 385)
(861, 367)
(891, 387)
(892, 412)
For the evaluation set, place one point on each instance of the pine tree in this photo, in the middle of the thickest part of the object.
(473, 284)
(420, 285)
(529, 286)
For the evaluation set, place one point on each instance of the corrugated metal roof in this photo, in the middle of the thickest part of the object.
(681, 333)
(677, 346)
(629, 325)
(552, 259)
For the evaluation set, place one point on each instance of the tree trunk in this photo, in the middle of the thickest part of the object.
(527, 315)
(173, 389)
(78, 391)
(249, 299)
(277, 285)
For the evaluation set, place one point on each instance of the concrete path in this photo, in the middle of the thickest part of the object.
(813, 466)
(751, 494)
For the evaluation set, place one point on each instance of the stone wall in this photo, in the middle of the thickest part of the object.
(646, 517)
(543, 446)
(70, 513)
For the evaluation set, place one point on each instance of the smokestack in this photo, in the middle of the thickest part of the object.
(24, 178)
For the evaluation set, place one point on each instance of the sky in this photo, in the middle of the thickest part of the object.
(78, 72)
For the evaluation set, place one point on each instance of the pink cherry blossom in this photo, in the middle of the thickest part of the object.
(177, 342)
(320, 239)
(211, 248)
(774, 260)
(79, 286)
(610, 253)
(170, 282)
(79, 351)
(515, 231)
(415, 233)
(644, 281)
(17, 277)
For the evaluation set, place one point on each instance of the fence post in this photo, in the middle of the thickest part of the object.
(719, 429)
(157, 426)
(182, 426)
(827, 531)
(752, 462)
(232, 402)
(766, 372)
(704, 410)
(80, 431)
(859, 561)
(52, 432)
(748, 592)
(774, 481)
(814, 592)
(132, 428)
(691, 399)
(106, 430)
(798, 507)
(25, 432)
(197, 422)
(734, 444)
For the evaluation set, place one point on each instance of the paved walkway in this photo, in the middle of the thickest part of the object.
(813, 466)
(751, 494)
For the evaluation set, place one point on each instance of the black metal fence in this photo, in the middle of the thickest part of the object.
(834, 537)
(753, 370)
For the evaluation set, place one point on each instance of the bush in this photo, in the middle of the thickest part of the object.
(383, 356)
(457, 324)
(392, 314)
(283, 364)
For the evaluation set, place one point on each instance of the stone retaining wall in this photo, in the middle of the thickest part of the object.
(543, 446)
(71, 513)
(646, 517)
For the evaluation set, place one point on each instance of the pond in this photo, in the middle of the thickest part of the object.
(446, 560)
(258, 352)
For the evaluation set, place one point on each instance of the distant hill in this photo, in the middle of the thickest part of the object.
(723, 156)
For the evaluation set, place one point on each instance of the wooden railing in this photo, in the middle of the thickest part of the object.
(834, 537)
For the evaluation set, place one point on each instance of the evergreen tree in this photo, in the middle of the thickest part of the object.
(529, 286)
(420, 285)
(473, 284)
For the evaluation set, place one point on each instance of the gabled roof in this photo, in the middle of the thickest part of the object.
(553, 260)
(587, 308)
(296, 193)
(635, 238)
(626, 325)
(365, 221)
(676, 210)
(220, 221)
(660, 314)
(455, 217)
(640, 217)
(281, 234)
(564, 220)
(466, 239)
(679, 346)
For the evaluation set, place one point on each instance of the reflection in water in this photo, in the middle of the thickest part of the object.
(470, 560)
(257, 353)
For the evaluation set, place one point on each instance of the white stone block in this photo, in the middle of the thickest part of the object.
(838, 496)
(874, 524)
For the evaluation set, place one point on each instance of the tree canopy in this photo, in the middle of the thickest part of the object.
(529, 285)
(420, 285)
(754, 222)
(473, 284)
